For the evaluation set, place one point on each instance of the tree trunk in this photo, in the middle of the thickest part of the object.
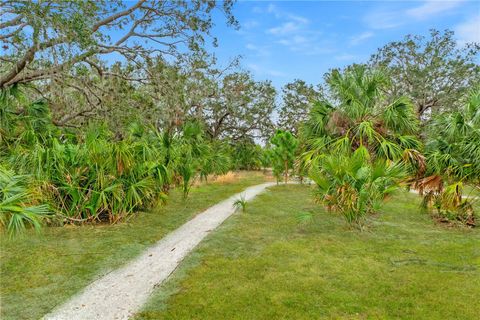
(286, 171)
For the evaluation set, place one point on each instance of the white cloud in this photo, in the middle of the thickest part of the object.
(309, 46)
(347, 57)
(257, 10)
(291, 23)
(468, 31)
(295, 40)
(299, 39)
(387, 18)
(279, 14)
(250, 24)
(318, 49)
(294, 32)
(264, 71)
(299, 19)
(383, 19)
(258, 50)
(360, 37)
(275, 73)
(271, 8)
(253, 67)
(430, 8)
(287, 27)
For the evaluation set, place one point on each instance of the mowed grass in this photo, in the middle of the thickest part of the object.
(268, 263)
(40, 271)
(471, 191)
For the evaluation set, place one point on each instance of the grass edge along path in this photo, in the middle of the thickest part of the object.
(268, 264)
(41, 271)
(122, 292)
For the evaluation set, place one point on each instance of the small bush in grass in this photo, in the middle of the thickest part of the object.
(240, 203)
(354, 185)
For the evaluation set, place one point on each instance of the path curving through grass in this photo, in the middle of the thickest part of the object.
(272, 264)
(119, 294)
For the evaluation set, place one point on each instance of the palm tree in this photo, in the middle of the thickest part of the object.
(453, 158)
(360, 114)
(358, 145)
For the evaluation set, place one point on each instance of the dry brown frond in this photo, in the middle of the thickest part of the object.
(433, 183)
(338, 123)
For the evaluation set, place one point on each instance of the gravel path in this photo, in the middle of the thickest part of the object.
(122, 292)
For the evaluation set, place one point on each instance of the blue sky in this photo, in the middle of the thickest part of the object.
(284, 40)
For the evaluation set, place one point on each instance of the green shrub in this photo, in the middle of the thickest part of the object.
(247, 155)
(19, 203)
(353, 185)
(93, 175)
(358, 146)
(283, 153)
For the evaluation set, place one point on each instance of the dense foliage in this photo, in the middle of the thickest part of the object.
(87, 139)
(101, 140)
(358, 145)
(453, 160)
(19, 202)
(42, 40)
(353, 184)
(94, 175)
(434, 72)
(284, 145)
(297, 98)
(366, 141)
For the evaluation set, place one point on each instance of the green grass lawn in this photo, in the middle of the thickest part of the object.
(471, 191)
(39, 271)
(268, 264)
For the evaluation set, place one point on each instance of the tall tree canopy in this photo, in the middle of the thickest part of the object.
(229, 103)
(240, 107)
(433, 71)
(44, 38)
(297, 98)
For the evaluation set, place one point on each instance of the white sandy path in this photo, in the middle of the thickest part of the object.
(121, 293)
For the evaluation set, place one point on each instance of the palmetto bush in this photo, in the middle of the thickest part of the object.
(216, 161)
(90, 175)
(20, 203)
(358, 145)
(195, 156)
(453, 159)
(353, 185)
(448, 203)
(97, 179)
